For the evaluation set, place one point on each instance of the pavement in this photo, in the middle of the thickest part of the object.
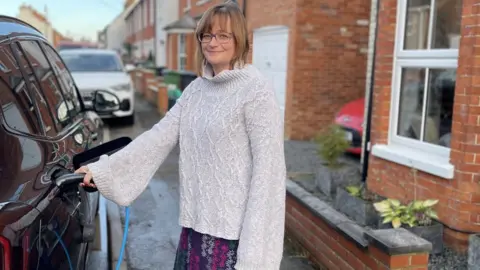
(154, 231)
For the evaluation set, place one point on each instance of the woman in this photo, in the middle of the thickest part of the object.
(232, 164)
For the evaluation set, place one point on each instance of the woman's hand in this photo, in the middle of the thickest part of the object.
(87, 180)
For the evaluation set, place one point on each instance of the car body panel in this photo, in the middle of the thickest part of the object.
(34, 151)
(350, 118)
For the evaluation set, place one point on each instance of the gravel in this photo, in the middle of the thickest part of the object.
(302, 161)
(448, 260)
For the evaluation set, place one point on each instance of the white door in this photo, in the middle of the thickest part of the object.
(270, 54)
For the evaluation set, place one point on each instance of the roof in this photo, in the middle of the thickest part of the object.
(89, 51)
(35, 13)
(130, 8)
(185, 23)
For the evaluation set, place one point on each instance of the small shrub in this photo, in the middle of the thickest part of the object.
(355, 191)
(361, 191)
(416, 213)
(331, 145)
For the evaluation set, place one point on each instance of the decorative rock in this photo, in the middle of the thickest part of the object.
(433, 234)
(359, 210)
(474, 252)
(329, 179)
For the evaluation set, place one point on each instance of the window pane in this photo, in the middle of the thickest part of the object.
(48, 85)
(183, 63)
(65, 79)
(438, 122)
(446, 30)
(416, 25)
(411, 102)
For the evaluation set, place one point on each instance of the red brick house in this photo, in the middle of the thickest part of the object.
(301, 45)
(426, 109)
(140, 27)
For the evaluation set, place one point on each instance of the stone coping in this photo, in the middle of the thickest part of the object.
(390, 241)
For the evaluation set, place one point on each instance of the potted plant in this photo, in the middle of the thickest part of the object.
(333, 172)
(356, 201)
(418, 217)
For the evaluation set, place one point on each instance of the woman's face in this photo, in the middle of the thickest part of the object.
(220, 50)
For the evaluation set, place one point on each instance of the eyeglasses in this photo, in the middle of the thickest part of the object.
(221, 38)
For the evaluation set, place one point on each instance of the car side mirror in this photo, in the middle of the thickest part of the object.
(105, 102)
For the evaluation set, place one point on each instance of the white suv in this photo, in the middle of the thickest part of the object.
(99, 69)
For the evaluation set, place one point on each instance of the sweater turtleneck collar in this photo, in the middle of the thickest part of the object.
(239, 71)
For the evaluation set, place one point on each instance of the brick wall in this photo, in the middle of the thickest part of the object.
(459, 206)
(330, 62)
(327, 57)
(327, 246)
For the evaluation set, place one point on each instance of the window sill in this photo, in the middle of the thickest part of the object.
(201, 2)
(409, 157)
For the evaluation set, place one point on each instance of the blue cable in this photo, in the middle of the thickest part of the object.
(64, 248)
(125, 234)
(122, 249)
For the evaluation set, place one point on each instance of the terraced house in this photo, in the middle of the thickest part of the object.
(316, 52)
(425, 133)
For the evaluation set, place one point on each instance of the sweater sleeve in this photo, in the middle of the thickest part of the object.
(124, 175)
(261, 237)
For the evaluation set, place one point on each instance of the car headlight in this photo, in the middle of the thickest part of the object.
(122, 87)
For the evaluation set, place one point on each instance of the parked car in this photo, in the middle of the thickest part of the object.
(350, 118)
(94, 69)
(69, 45)
(43, 125)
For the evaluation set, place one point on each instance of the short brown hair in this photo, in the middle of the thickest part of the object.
(238, 23)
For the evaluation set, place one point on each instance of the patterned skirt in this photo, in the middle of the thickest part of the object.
(198, 251)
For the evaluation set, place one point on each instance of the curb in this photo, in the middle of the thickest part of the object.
(115, 229)
(114, 223)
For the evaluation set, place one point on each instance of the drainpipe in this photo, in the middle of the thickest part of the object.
(245, 8)
(369, 94)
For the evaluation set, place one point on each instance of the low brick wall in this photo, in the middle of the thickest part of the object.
(138, 80)
(336, 242)
(151, 90)
(162, 98)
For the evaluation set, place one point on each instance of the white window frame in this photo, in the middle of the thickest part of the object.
(181, 54)
(427, 157)
(152, 11)
(188, 5)
(201, 2)
(144, 14)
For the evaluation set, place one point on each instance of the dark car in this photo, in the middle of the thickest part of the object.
(43, 126)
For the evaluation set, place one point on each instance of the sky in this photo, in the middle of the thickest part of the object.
(74, 17)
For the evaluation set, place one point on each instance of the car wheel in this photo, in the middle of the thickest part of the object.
(128, 120)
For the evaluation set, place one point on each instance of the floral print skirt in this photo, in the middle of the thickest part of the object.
(198, 251)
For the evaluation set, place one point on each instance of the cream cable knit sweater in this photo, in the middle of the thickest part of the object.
(232, 163)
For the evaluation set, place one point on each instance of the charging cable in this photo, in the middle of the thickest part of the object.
(125, 234)
(50, 227)
(68, 179)
(122, 249)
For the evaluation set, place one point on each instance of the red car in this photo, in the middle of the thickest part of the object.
(350, 118)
